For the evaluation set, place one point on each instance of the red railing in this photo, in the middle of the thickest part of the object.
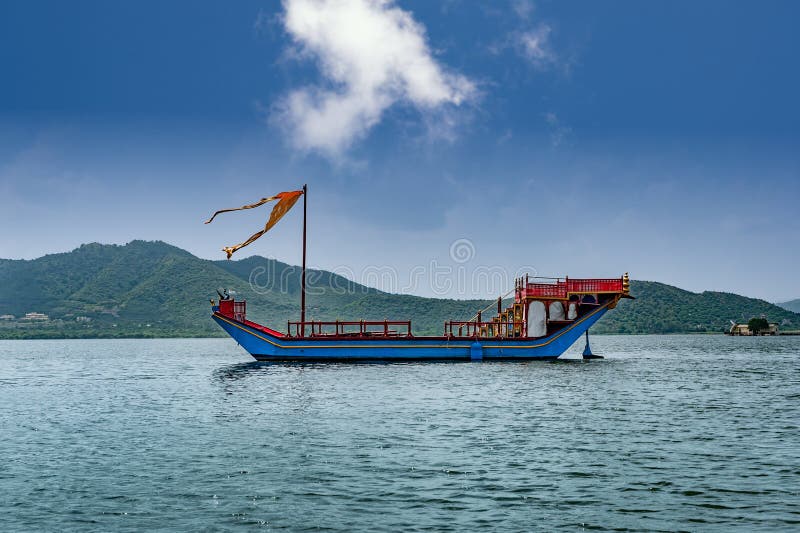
(360, 328)
(594, 285)
(547, 290)
(239, 311)
(476, 329)
(560, 288)
(233, 309)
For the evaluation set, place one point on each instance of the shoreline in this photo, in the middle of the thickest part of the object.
(214, 336)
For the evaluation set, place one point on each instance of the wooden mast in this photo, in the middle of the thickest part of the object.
(303, 278)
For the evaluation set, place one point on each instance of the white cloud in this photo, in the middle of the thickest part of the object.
(505, 137)
(534, 45)
(372, 55)
(532, 42)
(523, 8)
(558, 131)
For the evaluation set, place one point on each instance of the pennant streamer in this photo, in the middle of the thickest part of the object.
(285, 202)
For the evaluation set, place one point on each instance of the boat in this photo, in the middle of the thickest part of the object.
(543, 319)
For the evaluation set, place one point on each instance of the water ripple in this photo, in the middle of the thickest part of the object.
(669, 433)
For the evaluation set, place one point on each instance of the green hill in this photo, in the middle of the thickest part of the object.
(660, 308)
(153, 289)
(791, 305)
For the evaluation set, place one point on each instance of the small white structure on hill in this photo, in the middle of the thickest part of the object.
(38, 317)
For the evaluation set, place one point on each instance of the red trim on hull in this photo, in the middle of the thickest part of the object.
(259, 327)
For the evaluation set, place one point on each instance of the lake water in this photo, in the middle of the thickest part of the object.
(667, 433)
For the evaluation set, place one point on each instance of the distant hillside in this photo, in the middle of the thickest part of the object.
(791, 305)
(660, 308)
(153, 289)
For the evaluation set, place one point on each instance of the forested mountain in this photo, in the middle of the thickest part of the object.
(791, 305)
(661, 308)
(152, 289)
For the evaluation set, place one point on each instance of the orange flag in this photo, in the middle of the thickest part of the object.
(285, 202)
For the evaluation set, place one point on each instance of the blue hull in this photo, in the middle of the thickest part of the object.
(266, 347)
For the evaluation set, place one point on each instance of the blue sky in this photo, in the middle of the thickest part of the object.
(580, 138)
